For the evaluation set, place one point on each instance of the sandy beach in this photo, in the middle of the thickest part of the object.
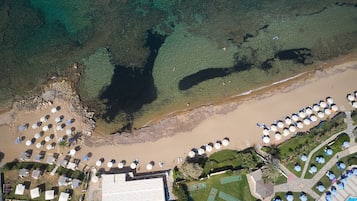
(235, 120)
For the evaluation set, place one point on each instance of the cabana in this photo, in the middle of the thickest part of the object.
(288, 120)
(295, 117)
(307, 121)
(49, 195)
(24, 172)
(280, 124)
(225, 142)
(329, 100)
(327, 111)
(277, 136)
(323, 104)
(76, 183)
(266, 139)
(313, 118)
(64, 196)
(299, 124)
(63, 181)
(308, 110)
(273, 127)
(286, 132)
(316, 107)
(35, 193)
(36, 174)
(20, 189)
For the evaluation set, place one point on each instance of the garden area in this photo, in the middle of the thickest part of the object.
(289, 152)
(296, 196)
(335, 146)
(231, 186)
(348, 160)
(44, 182)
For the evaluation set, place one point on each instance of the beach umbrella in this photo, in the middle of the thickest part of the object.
(133, 165)
(18, 140)
(191, 154)
(49, 147)
(265, 131)
(277, 199)
(354, 170)
(121, 165)
(321, 160)
(328, 196)
(277, 136)
(303, 196)
(355, 93)
(59, 128)
(297, 168)
(273, 127)
(292, 128)
(328, 152)
(208, 148)
(28, 142)
(110, 164)
(45, 128)
(349, 173)
(53, 110)
(333, 190)
(286, 132)
(98, 163)
(72, 152)
(327, 111)
(299, 124)
(307, 121)
(295, 117)
(266, 139)
(313, 118)
(323, 104)
(289, 197)
(354, 104)
(317, 159)
(308, 110)
(334, 108)
(341, 185)
(329, 100)
(47, 138)
(313, 169)
(316, 107)
(288, 120)
(37, 135)
(68, 131)
(350, 97)
(303, 157)
(43, 119)
(217, 145)
(331, 176)
(70, 121)
(38, 145)
(302, 114)
(149, 166)
(320, 188)
(201, 151)
(23, 127)
(58, 120)
(34, 126)
(280, 124)
(341, 165)
(320, 114)
(225, 142)
(345, 144)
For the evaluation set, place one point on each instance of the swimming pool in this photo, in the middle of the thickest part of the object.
(352, 199)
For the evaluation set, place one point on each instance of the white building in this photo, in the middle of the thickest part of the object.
(116, 187)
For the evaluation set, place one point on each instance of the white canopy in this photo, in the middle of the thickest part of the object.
(334, 108)
(58, 119)
(37, 135)
(308, 110)
(302, 114)
(49, 147)
(273, 127)
(68, 131)
(20, 188)
(266, 139)
(306, 121)
(72, 152)
(54, 110)
(217, 145)
(34, 126)
(28, 142)
(295, 117)
(292, 128)
(329, 100)
(265, 131)
(110, 164)
(201, 151)
(35, 193)
(49, 195)
(354, 104)
(225, 142)
(327, 111)
(313, 118)
(149, 166)
(45, 128)
(277, 136)
(288, 120)
(59, 128)
(299, 124)
(323, 104)
(38, 145)
(280, 124)
(208, 148)
(47, 138)
(63, 197)
(120, 165)
(286, 132)
(191, 154)
(350, 97)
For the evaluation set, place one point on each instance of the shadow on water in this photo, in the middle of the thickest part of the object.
(132, 87)
(210, 73)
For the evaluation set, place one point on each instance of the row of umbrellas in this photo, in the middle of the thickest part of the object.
(304, 117)
(290, 197)
(340, 183)
(208, 147)
(133, 165)
(351, 97)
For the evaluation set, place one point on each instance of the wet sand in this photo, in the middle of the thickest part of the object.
(235, 120)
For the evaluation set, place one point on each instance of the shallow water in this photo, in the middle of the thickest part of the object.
(144, 59)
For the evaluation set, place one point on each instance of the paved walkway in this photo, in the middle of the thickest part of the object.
(296, 184)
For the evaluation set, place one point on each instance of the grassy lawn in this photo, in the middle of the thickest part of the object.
(238, 189)
(304, 142)
(336, 147)
(281, 180)
(348, 160)
(296, 196)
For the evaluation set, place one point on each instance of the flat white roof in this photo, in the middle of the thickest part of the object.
(115, 187)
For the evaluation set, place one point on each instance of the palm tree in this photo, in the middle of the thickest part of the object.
(271, 171)
(75, 137)
(62, 144)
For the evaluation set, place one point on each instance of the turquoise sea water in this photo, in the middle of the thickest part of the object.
(352, 199)
(146, 58)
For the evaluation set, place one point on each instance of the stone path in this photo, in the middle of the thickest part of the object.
(296, 184)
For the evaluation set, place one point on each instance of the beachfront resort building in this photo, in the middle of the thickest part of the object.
(122, 187)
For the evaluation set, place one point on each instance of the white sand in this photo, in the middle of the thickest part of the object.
(238, 125)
